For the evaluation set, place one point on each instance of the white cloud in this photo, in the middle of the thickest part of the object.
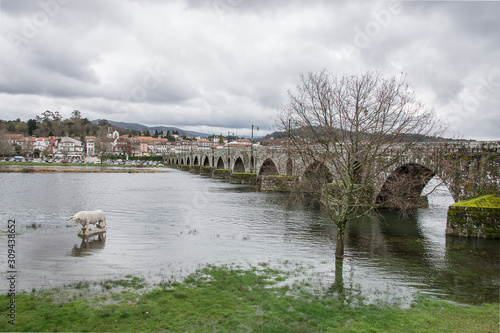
(229, 64)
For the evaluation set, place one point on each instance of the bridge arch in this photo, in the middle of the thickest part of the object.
(268, 168)
(188, 162)
(220, 163)
(239, 166)
(315, 176)
(196, 161)
(206, 161)
(404, 185)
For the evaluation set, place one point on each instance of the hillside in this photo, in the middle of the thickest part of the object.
(283, 135)
(152, 129)
(53, 124)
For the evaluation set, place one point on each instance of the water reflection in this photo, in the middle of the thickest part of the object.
(89, 245)
(468, 274)
(464, 270)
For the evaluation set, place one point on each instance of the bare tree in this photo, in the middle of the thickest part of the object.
(351, 132)
(76, 115)
(103, 145)
(6, 148)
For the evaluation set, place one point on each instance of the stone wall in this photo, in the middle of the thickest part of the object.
(277, 183)
(221, 174)
(206, 171)
(194, 169)
(479, 217)
(243, 178)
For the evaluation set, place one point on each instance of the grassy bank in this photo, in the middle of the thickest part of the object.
(74, 164)
(64, 168)
(230, 300)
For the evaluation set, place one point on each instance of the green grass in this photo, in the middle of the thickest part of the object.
(226, 299)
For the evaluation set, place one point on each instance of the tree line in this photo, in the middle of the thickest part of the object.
(51, 123)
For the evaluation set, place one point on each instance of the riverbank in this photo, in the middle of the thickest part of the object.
(226, 299)
(76, 169)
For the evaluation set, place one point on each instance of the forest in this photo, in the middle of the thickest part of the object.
(50, 123)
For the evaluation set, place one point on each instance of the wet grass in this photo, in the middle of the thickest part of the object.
(228, 299)
(132, 282)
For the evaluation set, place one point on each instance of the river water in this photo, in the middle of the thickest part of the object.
(163, 226)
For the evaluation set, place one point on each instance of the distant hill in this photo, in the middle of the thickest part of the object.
(284, 135)
(152, 129)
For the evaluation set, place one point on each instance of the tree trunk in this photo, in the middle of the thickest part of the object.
(339, 276)
(339, 248)
(338, 286)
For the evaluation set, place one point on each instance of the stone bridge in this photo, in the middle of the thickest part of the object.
(468, 169)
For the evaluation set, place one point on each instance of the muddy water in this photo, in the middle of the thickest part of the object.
(166, 225)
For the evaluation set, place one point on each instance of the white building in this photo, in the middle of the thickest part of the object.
(90, 145)
(41, 144)
(69, 147)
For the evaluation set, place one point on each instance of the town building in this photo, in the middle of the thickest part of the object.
(114, 144)
(68, 147)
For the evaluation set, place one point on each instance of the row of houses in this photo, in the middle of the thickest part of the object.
(63, 146)
(113, 144)
(150, 146)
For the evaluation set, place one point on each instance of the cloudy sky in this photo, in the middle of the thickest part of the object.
(224, 65)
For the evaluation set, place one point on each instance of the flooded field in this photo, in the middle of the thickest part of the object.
(164, 226)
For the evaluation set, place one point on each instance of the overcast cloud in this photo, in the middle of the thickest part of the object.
(224, 65)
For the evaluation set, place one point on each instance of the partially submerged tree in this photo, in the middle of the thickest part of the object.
(352, 131)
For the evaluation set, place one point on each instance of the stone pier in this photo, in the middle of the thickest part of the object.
(479, 217)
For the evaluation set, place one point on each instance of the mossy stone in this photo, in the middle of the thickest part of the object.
(478, 217)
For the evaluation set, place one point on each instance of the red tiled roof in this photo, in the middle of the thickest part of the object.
(12, 136)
